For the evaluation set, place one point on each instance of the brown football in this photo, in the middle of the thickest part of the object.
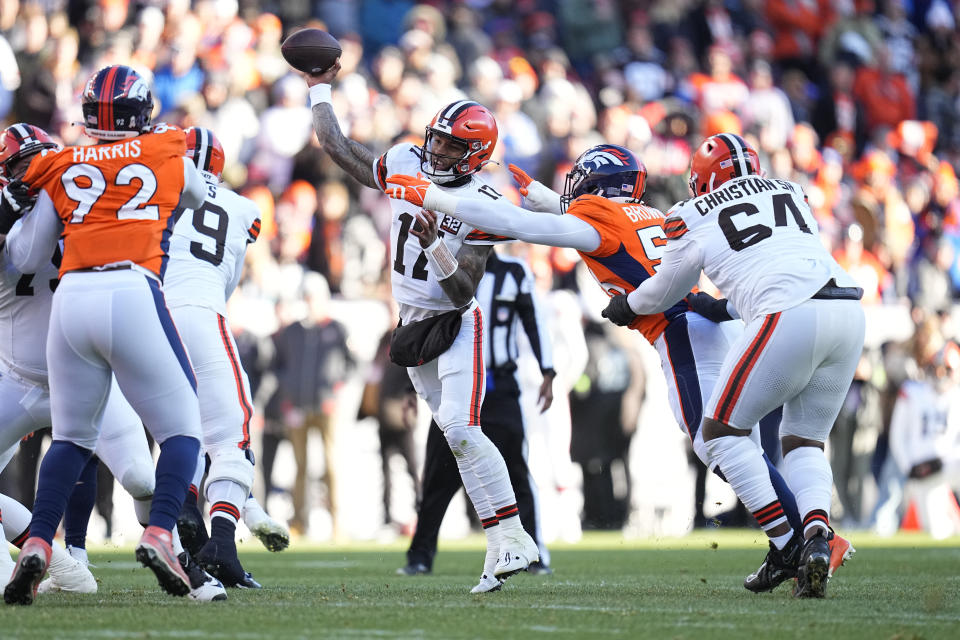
(311, 50)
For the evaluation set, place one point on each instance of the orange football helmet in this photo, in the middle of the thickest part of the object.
(466, 124)
(206, 152)
(721, 157)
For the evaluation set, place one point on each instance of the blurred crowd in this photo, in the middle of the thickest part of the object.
(856, 100)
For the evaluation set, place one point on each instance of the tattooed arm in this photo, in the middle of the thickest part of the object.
(350, 155)
(462, 285)
(467, 268)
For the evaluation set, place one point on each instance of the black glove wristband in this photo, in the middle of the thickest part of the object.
(618, 311)
(709, 307)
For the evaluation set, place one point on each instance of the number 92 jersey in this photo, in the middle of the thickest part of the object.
(759, 243)
(632, 240)
(115, 199)
(413, 282)
(207, 250)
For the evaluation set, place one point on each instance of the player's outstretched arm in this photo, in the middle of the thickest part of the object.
(458, 276)
(497, 216)
(678, 273)
(351, 156)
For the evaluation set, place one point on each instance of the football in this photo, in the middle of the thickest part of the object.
(310, 50)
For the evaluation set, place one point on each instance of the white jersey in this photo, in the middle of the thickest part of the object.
(25, 300)
(207, 250)
(415, 286)
(758, 243)
(925, 424)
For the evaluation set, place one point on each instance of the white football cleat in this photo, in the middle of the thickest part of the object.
(271, 533)
(203, 586)
(487, 584)
(517, 551)
(7, 565)
(66, 573)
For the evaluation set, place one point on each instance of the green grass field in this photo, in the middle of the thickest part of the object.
(604, 587)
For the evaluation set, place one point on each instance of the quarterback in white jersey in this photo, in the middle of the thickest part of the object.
(207, 251)
(435, 270)
(756, 239)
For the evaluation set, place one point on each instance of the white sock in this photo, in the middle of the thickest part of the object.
(79, 553)
(201, 469)
(16, 517)
(482, 469)
(781, 541)
(141, 507)
(175, 541)
(226, 498)
(741, 462)
(808, 475)
(494, 538)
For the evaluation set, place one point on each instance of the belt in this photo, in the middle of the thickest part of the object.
(831, 291)
(109, 267)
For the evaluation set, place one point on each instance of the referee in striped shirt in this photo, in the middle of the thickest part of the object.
(506, 295)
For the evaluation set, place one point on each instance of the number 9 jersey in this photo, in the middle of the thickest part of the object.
(116, 200)
(208, 248)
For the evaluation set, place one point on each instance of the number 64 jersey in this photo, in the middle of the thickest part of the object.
(414, 285)
(757, 241)
(207, 250)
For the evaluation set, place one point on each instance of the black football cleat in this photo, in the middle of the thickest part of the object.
(778, 566)
(814, 569)
(220, 560)
(192, 530)
(539, 569)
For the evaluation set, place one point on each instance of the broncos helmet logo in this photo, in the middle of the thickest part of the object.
(596, 158)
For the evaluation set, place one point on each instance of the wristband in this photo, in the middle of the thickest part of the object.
(320, 94)
(440, 258)
(436, 199)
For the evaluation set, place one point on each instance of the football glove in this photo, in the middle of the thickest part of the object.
(709, 307)
(522, 178)
(408, 188)
(15, 200)
(618, 311)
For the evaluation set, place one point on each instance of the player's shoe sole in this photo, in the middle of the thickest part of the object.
(273, 536)
(840, 551)
(814, 569)
(31, 565)
(156, 553)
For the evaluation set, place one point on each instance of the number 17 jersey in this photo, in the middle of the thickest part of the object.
(415, 285)
(208, 248)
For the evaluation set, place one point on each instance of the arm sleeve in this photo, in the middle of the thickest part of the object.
(32, 240)
(677, 274)
(542, 198)
(528, 308)
(194, 187)
(505, 219)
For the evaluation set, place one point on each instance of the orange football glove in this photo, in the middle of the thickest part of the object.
(408, 188)
(521, 177)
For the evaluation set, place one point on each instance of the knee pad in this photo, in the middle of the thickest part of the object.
(138, 481)
(230, 463)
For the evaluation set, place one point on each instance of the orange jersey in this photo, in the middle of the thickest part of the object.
(116, 200)
(632, 239)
